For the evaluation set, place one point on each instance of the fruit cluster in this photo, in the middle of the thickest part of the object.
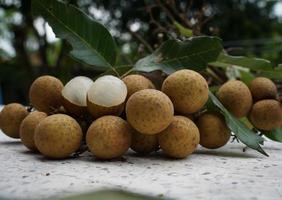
(112, 115)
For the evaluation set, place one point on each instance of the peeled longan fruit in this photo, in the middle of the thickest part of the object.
(11, 118)
(109, 137)
(143, 143)
(236, 97)
(45, 93)
(106, 96)
(136, 82)
(58, 136)
(149, 111)
(28, 126)
(180, 138)
(74, 95)
(266, 114)
(214, 132)
(263, 88)
(187, 89)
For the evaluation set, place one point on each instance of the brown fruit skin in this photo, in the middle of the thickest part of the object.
(73, 108)
(97, 111)
(45, 93)
(214, 132)
(187, 89)
(236, 98)
(144, 144)
(263, 88)
(180, 138)
(149, 111)
(58, 136)
(28, 126)
(11, 118)
(266, 114)
(109, 137)
(136, 83)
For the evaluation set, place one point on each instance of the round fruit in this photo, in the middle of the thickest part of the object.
(11, 118)
(187, 89)
(45, 93)
(106, 96)
(136, 82)
(213, 130)
(149, 111)
(180, 138)
(28, 126)
(109, 137)
(75, 94)
(263, 88)
(266, 114)
(58, 136)
(236, 97)
(144, 144)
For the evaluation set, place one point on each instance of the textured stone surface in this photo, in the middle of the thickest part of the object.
(227, 173)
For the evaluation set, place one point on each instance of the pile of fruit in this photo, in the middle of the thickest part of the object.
(111, 115)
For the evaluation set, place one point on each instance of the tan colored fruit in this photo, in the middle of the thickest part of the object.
(149, 111)
(236, 97)
(75, 94)
(109, 137)
(144, 143)
(180, 138)
(266, 114)
(187, 89)
(214, 132)
(136, 82)
(106, 96)
(263, 88)
(45, 93)
(58, 136)
(11, 118)
(28, 126)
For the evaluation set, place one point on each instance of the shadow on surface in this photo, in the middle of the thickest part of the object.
(16, 142)
(239, 154)
(28, 152)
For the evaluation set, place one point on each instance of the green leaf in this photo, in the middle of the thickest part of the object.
(245, 135)
(174, 55)
(246, 77)
(251, 63)
(261, 66)
(117, 71)
(109, 195)
(182, 30)
(275, 135)
(91, 41)
(275, 73)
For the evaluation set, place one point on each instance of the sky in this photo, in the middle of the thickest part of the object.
(278, 9)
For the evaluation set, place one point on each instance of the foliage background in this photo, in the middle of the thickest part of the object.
(247, 27)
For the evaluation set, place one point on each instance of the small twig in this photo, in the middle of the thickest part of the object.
(161, 5)
(29, 108)
(234, 137)
(142, 40)
(61, 54)
(245, 149)
(83, 148)
(126, 73)
(115, 71)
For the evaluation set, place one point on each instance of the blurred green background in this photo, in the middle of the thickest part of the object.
(28, 47)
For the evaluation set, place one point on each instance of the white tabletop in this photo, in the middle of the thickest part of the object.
(226, 173)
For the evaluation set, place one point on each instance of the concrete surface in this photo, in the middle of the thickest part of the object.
(226, 173)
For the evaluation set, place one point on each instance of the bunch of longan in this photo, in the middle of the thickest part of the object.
(112, 115)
